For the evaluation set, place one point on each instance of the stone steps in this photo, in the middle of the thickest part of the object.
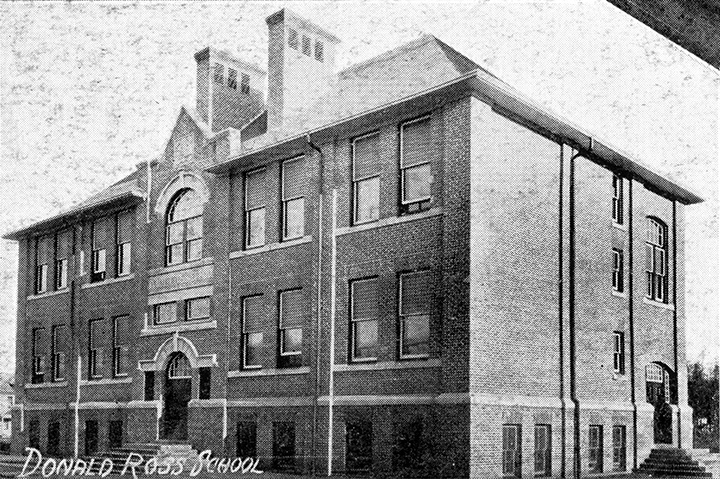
(672, 462)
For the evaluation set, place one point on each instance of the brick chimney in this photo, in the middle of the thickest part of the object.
(301, 67)
(230, 91)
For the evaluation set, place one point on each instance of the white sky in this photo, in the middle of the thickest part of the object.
(90, 89)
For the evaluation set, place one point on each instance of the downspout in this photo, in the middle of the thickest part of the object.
(331, 385)
(675, 319)
(228, 346)
(571, 318)
(148, 190)
(560, 313)
(321, 165)
(631, 320)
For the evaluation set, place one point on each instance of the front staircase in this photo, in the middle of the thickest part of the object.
(672, 462)
(162, 451)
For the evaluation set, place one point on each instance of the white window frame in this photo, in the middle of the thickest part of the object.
(246, 333)
(41, 274)
(156, 308)
(354, 321)
(618, 276)
(403, 201)
(544, 452)
(619, 352)
(122, 250)
(55, 354)
(403, 317)
(617, 200)
(188, 309)
(282, 329)
(516, 462)
(173, 367)
(248, 211)
(117, 349)
(620, 447)
(286, 200)
(93, 352)
(656, 240)
(356, 181)
(597, 465)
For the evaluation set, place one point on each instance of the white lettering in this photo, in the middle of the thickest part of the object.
(179, 463)
(79, 468)
(49, 462)
(64, 467)
(202, 457)
(235, 465)
(254, 469)
(133, 465)
(88, 471)
(31, 451)
(151, 462)
(106, 467)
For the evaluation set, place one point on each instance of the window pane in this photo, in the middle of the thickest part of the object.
(194, 249)
(195, 228)
(365, 337)
(291, 304)
(416, 183)
(367, 200)
(252, 313)
(175, 254)
(186, 205)
(255, 189)
(415, 293)
(293, 178)
(292, 340)
(165, 313)
(366, 157)
(99, 261)
(294, 218)
(174, 234)
(256, 227)
(123, 258)
(416, 142)
(198, 308)
(416, 332)
(253, 346)
(364, 299)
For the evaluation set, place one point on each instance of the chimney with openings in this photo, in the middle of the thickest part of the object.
(230, 91)
(301, 67)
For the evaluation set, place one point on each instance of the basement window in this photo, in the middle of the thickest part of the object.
(306, 45)
(293, 38)
(219, 73)
(319, 50)
(232, 78)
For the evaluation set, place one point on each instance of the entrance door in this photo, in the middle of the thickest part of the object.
(657, 383)
(178, 383)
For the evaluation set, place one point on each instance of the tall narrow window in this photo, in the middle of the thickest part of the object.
(39, 350)
(58, 344)
(98, 235)
(656, 260)
(595, 449)
(293, 38)
(246, 445)
(617, 201)
(43, 254)
(319, 50)
(414, 309)
(232, 78)
(123, 244)
(197, 309)
(293, 199)
(252, 334)
(511, 450)
(306, 45)
(415, 174)
(165, 313)
(619, 352)
(366, 178)
(96, 348)
(542, 450)
(283, 445)
(219, 73)
(149, 386)
(121, 343)
(205, 382)
(618, 280)
(363, 319)
(291, 322)
(245, 84)
(63, 250)
(255, 208)
(184, 231)
(619, 448)
(358, 445)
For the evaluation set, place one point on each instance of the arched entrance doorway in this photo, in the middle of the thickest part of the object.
(660, 387)
(177, 393)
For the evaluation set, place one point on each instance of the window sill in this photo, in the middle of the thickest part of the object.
(270, 247)
(670, 307)
(622, 227)
(619, 294)
(59, 384)
(179, 327)
(394, 220)
(105, 382)
(388, 365)
(48, 294)
(181, 266)
(268, 372)
(127, 277)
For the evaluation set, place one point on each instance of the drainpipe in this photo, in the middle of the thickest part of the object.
(560, 312)
(148, 191)
(228, 344)
(631, 320)
(331, 385)
(675, 319)
(571, 318)
(77, 408)
(318, 332)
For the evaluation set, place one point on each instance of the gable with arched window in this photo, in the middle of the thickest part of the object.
(656, 260)
(184, 227)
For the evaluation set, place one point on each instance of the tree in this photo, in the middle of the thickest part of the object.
(703, 397)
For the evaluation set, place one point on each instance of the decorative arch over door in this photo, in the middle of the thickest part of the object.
(174, 344)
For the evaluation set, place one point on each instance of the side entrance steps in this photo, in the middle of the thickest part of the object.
(11, 466)
(162, 451)
(672, 462)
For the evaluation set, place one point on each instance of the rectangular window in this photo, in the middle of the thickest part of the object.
(618, 280)
(53, 440)
(164, 313)
(149, 386)
(121, 343)
(542, 450)
(41, 278)
(283, 445)
(63, 250)
(363, 319)
(252, 334)
(617, 201)
(366, 178)
(415, 175)
(293, 199)
(219, 73)
(358, 445)
(245, 84)
(39, 350)
(414, 299)
(291, 322)
(98, 337)
(595, 449)
(619, 352)
(205, 382)
(293, 38)
(197, 308)
(319, 50)
(43, 256)
(619, 448)
(58, 344)
(61, 273)
(123, 244)
(656, 260)
(255, 208)
(306, 45)
(98, 234)
(511, 450)
(34, 433)
(246, 445)
(232, 78)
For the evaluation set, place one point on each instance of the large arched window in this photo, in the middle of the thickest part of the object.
(184, 228)
(179, 367)
(656, 266)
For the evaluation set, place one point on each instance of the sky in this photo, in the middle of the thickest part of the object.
(89, 89)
